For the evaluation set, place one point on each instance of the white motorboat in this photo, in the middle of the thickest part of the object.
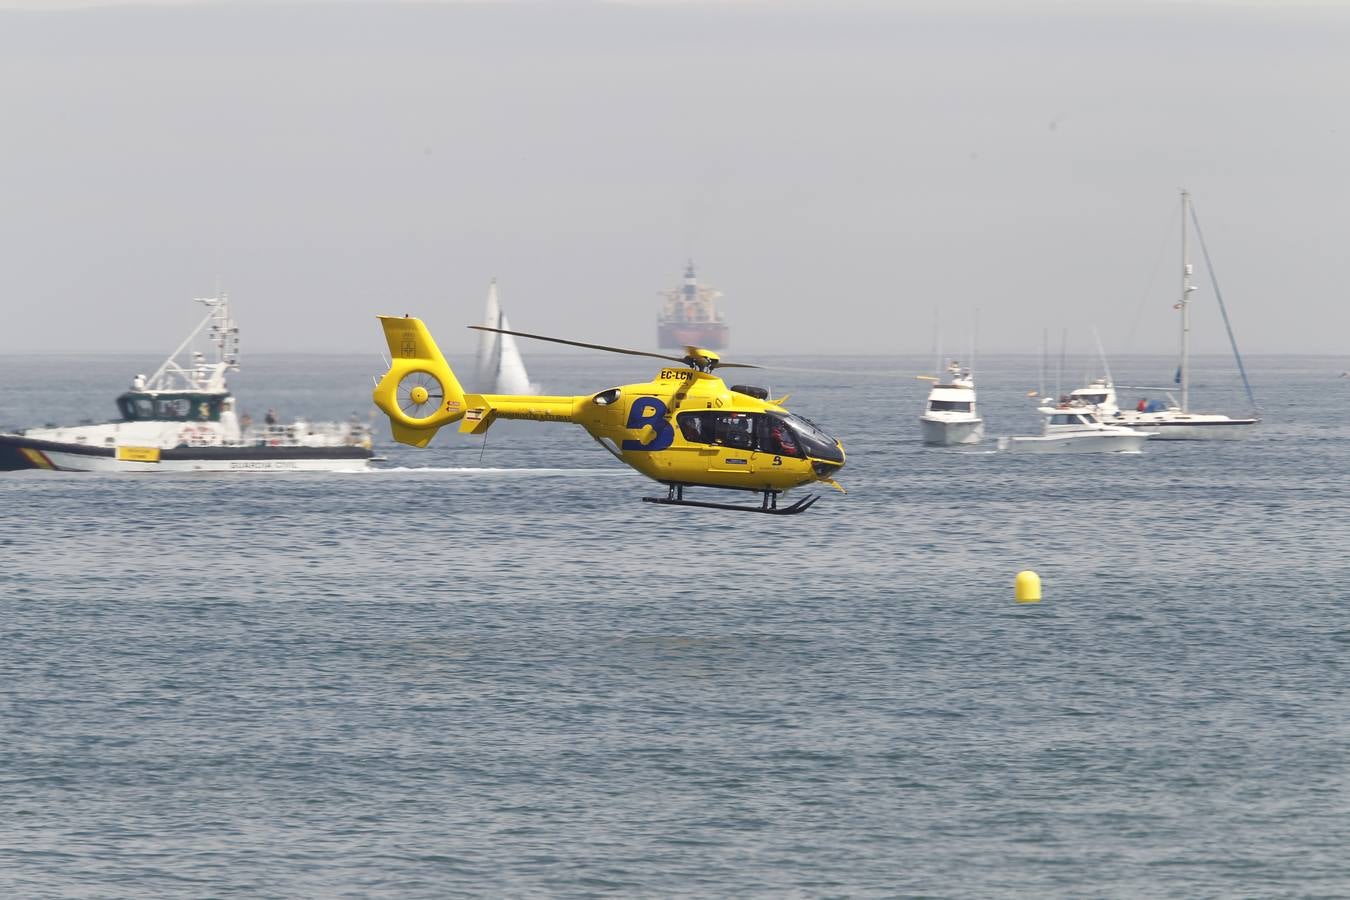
(1070, 429)
(951, 416)
(183, 419)
(1173, 419)
(500, 367)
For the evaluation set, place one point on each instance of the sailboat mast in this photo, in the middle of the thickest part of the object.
(937, 346)
(1045, 353)
(1186, 288)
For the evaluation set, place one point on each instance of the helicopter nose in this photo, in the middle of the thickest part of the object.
(826, 469)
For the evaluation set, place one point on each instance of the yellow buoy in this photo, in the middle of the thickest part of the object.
(1028, 588)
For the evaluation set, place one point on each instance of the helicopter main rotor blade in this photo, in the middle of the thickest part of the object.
(541, 337)
(682, 360)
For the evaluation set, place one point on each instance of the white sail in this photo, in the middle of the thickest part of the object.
(500, 368)
(489, 343)
(511, 377)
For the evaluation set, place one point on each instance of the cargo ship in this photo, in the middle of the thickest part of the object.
(689, 316)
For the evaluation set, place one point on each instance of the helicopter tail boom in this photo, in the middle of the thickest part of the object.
(482, 410)
(419, 393)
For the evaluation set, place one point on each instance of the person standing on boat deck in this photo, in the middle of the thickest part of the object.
(271, 417)
(1143, 405)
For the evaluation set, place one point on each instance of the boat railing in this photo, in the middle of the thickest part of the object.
(318, 434)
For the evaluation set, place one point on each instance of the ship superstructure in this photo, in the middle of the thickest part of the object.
(689, 316)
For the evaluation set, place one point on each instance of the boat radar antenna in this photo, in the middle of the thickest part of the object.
(202, 374)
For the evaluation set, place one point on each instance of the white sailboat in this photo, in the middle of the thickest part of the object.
(500, 368)
(950, 416)
(1174, 420)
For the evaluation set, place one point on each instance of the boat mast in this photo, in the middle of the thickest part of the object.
(938, 369)
(1186, 288)
(201, 375)
(1045, 354)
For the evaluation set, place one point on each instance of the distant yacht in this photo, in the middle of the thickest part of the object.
(500, 368)
(951, 416)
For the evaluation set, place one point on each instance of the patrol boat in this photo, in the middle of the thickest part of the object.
(183, 419)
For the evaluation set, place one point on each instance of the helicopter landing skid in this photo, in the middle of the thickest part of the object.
(675, 497)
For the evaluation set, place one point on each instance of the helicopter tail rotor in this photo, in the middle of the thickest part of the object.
(419, 393)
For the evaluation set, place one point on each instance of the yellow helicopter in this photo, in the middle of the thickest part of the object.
(685, 428)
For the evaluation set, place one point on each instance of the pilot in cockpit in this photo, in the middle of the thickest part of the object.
(782, 439)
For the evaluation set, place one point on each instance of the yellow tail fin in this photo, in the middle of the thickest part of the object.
(419, 393)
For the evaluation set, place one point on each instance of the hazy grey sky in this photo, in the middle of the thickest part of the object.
(838, 169)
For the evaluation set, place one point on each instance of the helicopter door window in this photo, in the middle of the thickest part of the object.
(698, 427)
(742, 431)
(776, 437)
(736, 430)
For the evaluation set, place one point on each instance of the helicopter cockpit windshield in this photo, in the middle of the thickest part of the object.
(814, 440)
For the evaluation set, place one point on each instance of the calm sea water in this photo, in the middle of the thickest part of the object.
(491, 671)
